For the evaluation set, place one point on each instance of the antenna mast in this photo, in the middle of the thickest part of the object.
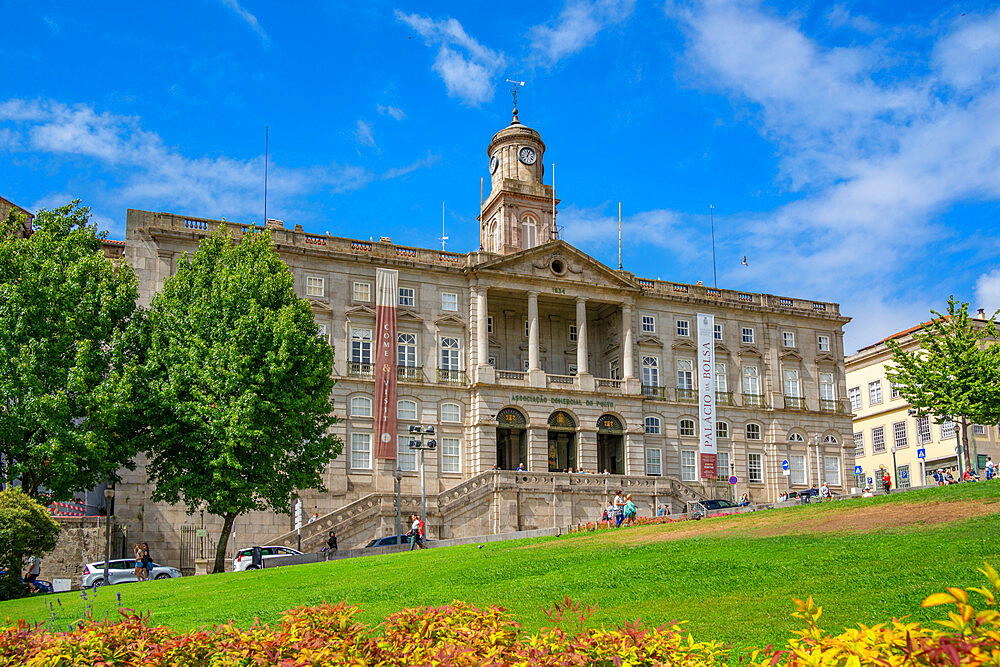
(265, 174)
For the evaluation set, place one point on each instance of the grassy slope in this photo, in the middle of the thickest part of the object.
(732, 585)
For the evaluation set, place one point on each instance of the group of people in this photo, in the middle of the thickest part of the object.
(416, 533)
(823, 492)
(577, 471)
(620, 510)
(143, 562)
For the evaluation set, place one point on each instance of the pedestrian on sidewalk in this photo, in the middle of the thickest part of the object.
(887, 482)
(147, 561)
(416, 533)
(619, 504)
(629, 510)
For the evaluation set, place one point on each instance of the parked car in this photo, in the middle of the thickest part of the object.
(244, 557)
(122, 571)
(712, 505)
(388, 541)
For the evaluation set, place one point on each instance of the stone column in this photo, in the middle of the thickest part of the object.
(484, 373)
(533, 331)
(628, 366)
(581, 336)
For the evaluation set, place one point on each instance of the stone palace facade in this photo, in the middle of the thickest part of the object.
(529, 353)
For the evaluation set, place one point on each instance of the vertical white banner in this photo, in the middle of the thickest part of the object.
(706, 394)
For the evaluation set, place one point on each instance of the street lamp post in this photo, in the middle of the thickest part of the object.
(109, 495)
(423, 447)
(399, 510)
(895, 469)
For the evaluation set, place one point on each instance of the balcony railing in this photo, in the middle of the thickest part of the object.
(517, 376)
(608, 383)
(561, 379)
(753, 400)
(831, 405)
(795, 403)
(655, 393)
(686, 396)
(410, 373)
(724, 398)
(358, 369)
(448, 376)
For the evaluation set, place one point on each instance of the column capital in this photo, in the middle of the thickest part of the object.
(532, 294)
(581, 299)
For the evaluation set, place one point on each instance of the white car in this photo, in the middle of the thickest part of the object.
(121, 571)
(244, 557)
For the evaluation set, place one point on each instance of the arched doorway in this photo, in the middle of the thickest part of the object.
(610, 445)
(562, 442)
(512, 440)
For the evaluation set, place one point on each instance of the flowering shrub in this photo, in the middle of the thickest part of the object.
(460, 634)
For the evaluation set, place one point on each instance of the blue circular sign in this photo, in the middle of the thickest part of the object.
(733, 480)
(784, 464)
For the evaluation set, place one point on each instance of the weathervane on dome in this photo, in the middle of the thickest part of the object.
(513, 92)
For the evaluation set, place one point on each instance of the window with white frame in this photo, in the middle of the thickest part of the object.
(651, 371)
(903, 477)
(829, 440)
(648, 324)
(451, 455)
(407, 297)
(406, 458)
(687, 427)
(923, 430)
(823, 343)
(753, 431)
(878, 440)
(489, 324)
(899, 434)
(653, 425)
(827, 388)
(831, 470)
(722, 464)
(315, 286)
(361, 406)
(685, 374)
(527, 328)
(323, 334)
(722, 429)
(406, 350)
(362, 291)
(571, 369)
(361, 346)
(526, 365)
(755, 468)
(795, 437)
(721, 381)
(947, 430)
(854, 393)
(747, 336)
(614, 370)
(528, 229)
(788, 338)
(449, 301)
(893, 390)
(717, 331)
(451, 412)
(572, 333)
(791, 376)
(654, 461)
(751, 380)
(689, 472)
(859, 443)
(875, 392)
(361, 451)
(797, 469)
(683, 327)
(406, 409)
(450, 347)
(978, 429)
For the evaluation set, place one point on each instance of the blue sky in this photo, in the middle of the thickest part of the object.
(851, 150)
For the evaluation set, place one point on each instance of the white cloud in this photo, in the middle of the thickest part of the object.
(970, 56)
(988, 292)
(250, 19)
(388, 110)
(363, 133)
(838, 16)
(467, 68)
(576, 27)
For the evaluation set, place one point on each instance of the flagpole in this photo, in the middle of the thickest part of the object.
(555, 229)
(266, 128)
(715, 276)
(619, 236)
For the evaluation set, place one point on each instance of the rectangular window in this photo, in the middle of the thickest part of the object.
(449, 301)
(859, 444)
(527, 328)
(903, 477)
(747, 336)
(449, 353)
(755, 468)
(451, 455)
(826, 387)
(648, 324)
(489, 324)
(831, 470)
(893, 390)
(361, 406)
(823, 343)
(362, 291)
(875, 392)
(923, 430)
(451, 412)
(717, 332)
(797, 468)
(854, 393)
(614, 370)
(361, 346)
(406, 458)
(721, 381)
(683, 328)
(978, 429)
(791, 383)
(751, 381)
(878, 440)
(685, 374)
(651, 371)
(571, 369)
(722, 468)
(315, 286)
(654, 461)
(899, 434)
(947, 430)
(323, 334)
(572, 333)
(492, 361)
(526, 365)
(788, 338)
(361, 451)
(406, 410)
(406, 350)
(407, 297)
(689, 472)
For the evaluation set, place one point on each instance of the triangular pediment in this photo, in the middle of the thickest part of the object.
(684, 345)
(359, 312)
(449, 321)
(790, 355)
(720, 348)
(825, 358)
(319, 306)
(409, 316)
(558, 261)
(647, 339)
(749, 351)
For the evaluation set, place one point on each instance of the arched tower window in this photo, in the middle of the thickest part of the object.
(529, 232)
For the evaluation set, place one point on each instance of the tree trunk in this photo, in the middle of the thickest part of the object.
(220, 548)
(965, 446)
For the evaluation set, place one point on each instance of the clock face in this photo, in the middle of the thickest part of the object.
(494, 163)
(527, 155)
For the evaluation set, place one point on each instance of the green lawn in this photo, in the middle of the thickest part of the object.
(734, 584)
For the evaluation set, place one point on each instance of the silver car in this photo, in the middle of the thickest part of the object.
(121, 571)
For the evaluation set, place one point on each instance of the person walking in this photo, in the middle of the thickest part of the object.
(416, 533)
(887, 482)
(147, 562)
(31, 576)
(629, 510)
(619, 504)
(140, 567)
(990, 468)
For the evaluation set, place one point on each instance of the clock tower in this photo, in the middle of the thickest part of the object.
(518, 214)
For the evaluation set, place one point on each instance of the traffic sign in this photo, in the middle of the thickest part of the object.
(921, 453)
(858, 470)
(904, 473)
(869, 481)
(733, 480)
(786, 472)
(784, 464)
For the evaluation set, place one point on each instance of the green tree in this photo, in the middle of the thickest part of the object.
(63, 309)
(954, 374)
(26, 529)
(236, 384)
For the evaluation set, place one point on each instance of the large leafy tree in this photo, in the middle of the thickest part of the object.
(63, 309)
(954, 373)
(26, 529)
(235, 384)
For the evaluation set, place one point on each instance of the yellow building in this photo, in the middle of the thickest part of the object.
(889, 434)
